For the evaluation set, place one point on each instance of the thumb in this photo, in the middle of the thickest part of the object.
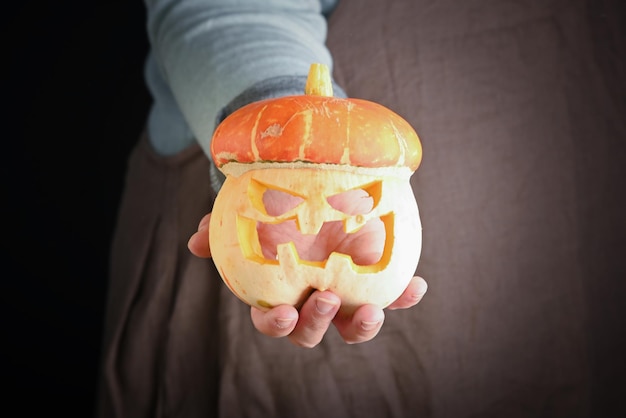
(198, 244)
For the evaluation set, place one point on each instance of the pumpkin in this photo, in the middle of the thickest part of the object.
(308, 168)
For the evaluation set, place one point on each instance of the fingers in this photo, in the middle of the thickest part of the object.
(308, 327)
(277, 322)
(305, 328)
(362, 326)
(198, 244)
(411, 296)
(320, 311)
(316, 315)
(367, 320)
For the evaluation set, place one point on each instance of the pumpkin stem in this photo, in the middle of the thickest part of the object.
(318, 82)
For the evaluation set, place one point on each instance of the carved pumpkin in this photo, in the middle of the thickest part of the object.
(303, 167)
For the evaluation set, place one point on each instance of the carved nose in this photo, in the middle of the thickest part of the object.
(310, 222)
(312, 216)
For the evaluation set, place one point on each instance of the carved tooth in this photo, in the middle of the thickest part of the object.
(287, 255)
(339, 262)
(354, 223)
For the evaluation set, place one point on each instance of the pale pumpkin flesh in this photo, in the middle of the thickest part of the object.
(317, 196)
(264, 281)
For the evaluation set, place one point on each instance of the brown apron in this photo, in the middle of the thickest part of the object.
(519, 193)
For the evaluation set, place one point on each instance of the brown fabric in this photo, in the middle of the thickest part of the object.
(178, 343)
(150, 309)
(519, 107)
(521, 197)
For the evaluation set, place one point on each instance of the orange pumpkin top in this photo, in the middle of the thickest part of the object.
(317, 129)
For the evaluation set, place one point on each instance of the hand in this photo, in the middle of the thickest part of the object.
(308, 326)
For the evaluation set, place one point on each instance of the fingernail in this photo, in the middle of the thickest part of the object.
(283, 323)
(422, 287)
(369, 325)
(325, 305)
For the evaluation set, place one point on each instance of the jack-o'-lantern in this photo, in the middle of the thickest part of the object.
(316, 196)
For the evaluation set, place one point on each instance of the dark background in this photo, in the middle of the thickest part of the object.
(76, 105)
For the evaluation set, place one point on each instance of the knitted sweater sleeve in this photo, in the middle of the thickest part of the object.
(206, 53)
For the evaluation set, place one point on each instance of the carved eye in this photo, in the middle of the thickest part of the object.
(357, 201)
(277, 202)
(272, 201)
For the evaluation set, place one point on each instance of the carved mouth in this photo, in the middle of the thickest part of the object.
(365, 246)
(369, 246)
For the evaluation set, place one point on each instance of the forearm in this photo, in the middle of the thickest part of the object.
(208, 52)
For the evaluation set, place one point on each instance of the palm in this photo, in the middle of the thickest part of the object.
(365, 246)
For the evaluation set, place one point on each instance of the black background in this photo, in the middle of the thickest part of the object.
(76, 104)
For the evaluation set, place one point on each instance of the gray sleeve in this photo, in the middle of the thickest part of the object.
(206, 52)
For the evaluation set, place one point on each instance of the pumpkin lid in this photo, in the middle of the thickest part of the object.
(317, 128)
